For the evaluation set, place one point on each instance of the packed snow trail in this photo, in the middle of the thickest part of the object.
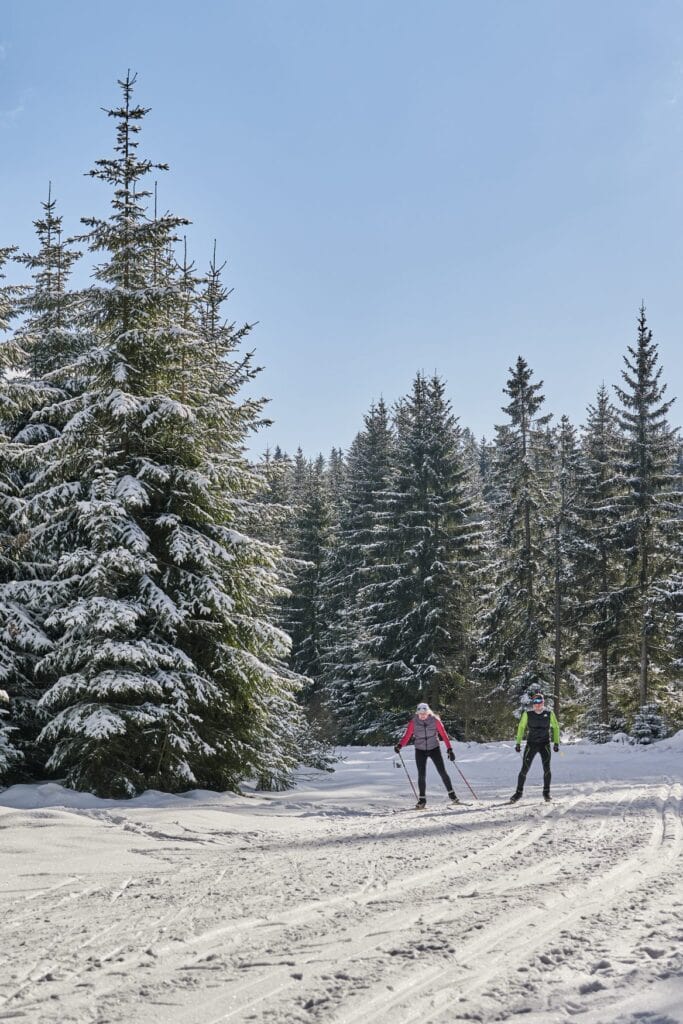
(336, 903)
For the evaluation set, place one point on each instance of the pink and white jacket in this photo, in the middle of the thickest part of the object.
(426, 733)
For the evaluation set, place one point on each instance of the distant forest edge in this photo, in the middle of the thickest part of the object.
(427, 564)
(176, 615)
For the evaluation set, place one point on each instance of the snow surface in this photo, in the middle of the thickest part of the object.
(338, 902)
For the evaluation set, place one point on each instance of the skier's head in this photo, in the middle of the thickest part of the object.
(423, 709)
(537, 702)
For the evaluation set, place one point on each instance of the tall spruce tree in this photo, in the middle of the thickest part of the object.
(600, 582)
(51, 334)
(649, 511)
(416, 616)
(357, 564)
(12, 667)
(305, 614)
(565, 556)
(276, 471)
(515, 653)
(336, 481)
(164, 670)
(48, 338)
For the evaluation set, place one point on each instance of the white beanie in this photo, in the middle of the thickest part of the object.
(424, 707)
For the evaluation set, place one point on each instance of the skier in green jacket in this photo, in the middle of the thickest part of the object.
(540, 722)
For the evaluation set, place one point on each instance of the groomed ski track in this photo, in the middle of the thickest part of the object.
(302, 908)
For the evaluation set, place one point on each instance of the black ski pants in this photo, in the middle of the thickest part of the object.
(421, 758)
(530, 751)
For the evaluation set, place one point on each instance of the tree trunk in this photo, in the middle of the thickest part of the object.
(643, 668)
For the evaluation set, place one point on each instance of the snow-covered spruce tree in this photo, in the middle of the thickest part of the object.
(260, 570)
(51, 333)
(487, 452)
(650, 510)
(164, 671)
(355, 564)
(416, 617)
(318, 593)
(674, 599)
(336, 481)
(671, 698)
(648, 724)
(516, 654)
(564, 559)
(275, 469)
(12, 662)
(599, 579)
(276, 524)
(46, 342)
(304, 613)
(289, 482)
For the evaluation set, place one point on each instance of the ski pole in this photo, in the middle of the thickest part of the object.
(407, 773)
(466, 783)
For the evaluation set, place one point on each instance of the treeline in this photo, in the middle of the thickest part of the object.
(427, 565)
(136, 637)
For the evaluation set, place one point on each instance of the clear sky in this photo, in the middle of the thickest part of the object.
(395, 186)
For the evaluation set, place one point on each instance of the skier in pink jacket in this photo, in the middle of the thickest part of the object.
(427, 730)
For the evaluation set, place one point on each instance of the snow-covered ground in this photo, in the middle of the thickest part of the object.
(338, 902)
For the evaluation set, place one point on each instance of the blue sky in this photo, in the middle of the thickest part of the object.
(396, 187)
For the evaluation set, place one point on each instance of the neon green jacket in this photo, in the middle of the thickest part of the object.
(540, 726)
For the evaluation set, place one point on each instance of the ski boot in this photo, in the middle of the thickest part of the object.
(421, 804)
(453, 797)
(515, 797)
(547, 798)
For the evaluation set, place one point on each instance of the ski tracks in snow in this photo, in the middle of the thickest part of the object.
(572, 937)
(478, 913)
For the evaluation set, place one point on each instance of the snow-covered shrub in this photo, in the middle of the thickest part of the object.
(648, 725)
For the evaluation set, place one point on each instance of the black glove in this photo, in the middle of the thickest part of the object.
(556, 747)
(451, 755)
(518, 747)
(397, 748)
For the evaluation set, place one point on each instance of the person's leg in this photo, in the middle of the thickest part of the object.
(527, 758)
(545, 758)
(421, 763)
(437, 758)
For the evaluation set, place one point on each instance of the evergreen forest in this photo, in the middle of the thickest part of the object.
(175, 613)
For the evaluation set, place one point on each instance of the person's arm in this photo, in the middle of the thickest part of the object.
(521, 728)
(443, 735)
(554, 727)
(407, 735)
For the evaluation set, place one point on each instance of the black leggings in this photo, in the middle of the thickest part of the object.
(530, 751)
(421, 757)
